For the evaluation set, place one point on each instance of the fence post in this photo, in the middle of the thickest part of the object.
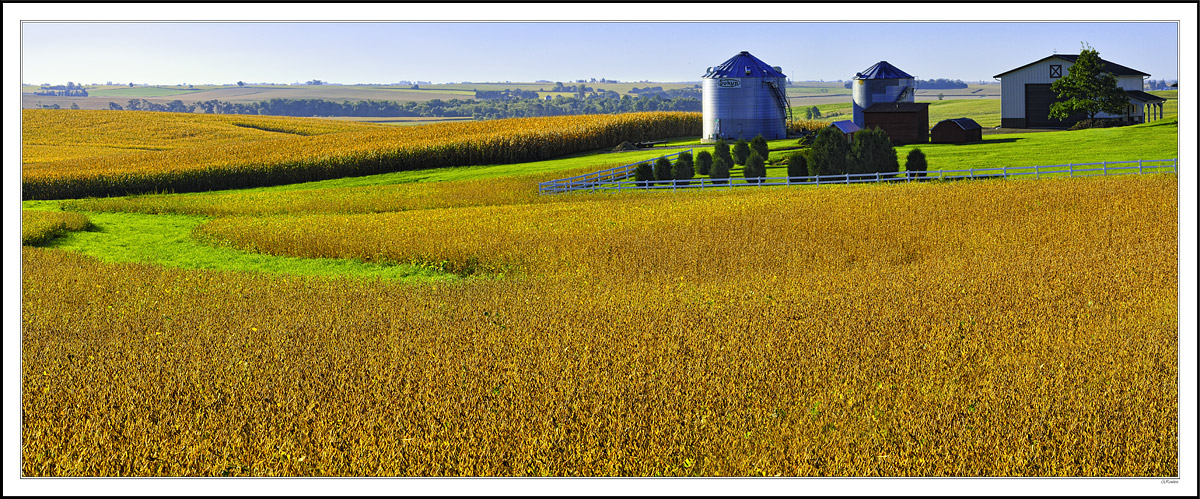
(876, 177)
(1071, 168)
(1006, 173)
(1105, 167)
(1139, 167)
(818, 177)
(847, 179)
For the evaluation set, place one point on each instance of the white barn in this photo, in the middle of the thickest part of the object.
(1025, 94)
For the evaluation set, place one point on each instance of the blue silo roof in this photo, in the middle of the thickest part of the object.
(882, 71)
(736, 66)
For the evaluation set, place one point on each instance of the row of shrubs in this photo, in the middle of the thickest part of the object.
(870, 151)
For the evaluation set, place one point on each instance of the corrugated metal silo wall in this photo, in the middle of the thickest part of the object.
(745, 107)
(874, 91)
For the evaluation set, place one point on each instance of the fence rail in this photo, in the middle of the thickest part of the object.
(597, 180)
(609, 180)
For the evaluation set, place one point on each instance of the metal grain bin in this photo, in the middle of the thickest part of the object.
(744, 97)
(881, 83)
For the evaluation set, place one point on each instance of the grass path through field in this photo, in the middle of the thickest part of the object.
(167, 240)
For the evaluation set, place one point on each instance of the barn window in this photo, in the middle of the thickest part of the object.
(1056, 70)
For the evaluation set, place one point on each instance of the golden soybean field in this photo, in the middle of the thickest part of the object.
(1022, 328)
(41, 226)
(75, 157)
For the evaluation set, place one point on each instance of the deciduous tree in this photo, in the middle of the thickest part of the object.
(1088, 88)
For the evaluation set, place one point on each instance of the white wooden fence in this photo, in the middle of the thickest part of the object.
(611, 179)
(600, 179)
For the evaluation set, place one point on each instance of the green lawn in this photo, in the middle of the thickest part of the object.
(1150, 141)
(1158, 140)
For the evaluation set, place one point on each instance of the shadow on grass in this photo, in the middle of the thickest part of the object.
(995, 141)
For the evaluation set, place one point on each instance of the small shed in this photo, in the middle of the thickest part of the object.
(846, 127)
(956, 131)
(904, 122)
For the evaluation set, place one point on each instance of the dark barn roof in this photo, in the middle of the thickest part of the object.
(736, 66)
(896, 107)
(1143, 96)
(1110, 67)
(882, 71)
(963, 123)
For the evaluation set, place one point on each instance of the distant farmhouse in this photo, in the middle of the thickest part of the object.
(1025, 95)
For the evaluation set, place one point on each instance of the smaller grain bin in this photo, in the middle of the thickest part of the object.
(904, 122)
(956, 131)
(881, 83)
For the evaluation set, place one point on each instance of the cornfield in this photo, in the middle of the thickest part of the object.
(305, 154)
(40, 226)
(965, 329)
(517, 189)
(805, 125)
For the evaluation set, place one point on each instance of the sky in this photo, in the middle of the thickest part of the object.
(216, 52)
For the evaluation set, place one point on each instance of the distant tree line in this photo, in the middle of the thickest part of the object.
(68, 90)
(672, 93)
(505, 94)
(1158, 85)
(940, 84)
(478, 109)
(175, 106)
(935, 84)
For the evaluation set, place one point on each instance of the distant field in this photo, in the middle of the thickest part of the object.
(811, 93)
(415, 120)
(986, 112)
(99, 99)
(621, 88)
(128, 92)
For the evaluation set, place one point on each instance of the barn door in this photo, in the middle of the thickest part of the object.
(1038, 98)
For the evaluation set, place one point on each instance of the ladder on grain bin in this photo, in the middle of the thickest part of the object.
(781, 98)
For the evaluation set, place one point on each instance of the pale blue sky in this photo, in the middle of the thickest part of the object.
(384, 52)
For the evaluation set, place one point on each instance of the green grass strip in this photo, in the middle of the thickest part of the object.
(167, 240)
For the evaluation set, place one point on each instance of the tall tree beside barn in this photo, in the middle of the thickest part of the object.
(1089, 88)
